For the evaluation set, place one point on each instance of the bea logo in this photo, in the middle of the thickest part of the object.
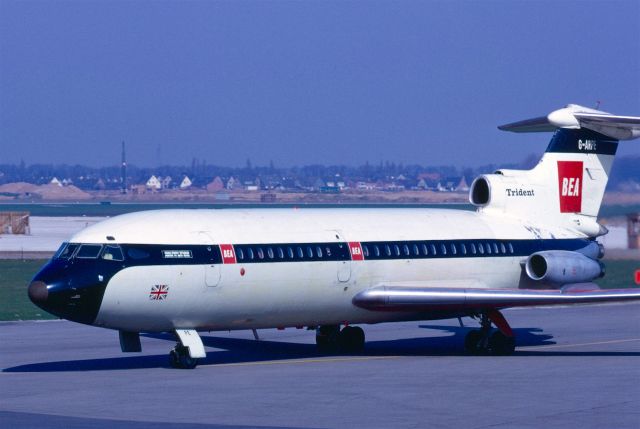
(570, 186)
(228, 257)
(356, 251)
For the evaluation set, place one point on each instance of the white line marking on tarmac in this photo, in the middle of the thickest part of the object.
(597, 343)
(299, 361)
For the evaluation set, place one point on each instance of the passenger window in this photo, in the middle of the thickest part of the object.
(89, 251)
(387, 250)
(365, 251)
(416, 250)
(425, 250)
(495, 248)
(260, 253)
(502, 248)
(443, 248)
(473, 248)
(510, 248)
(488, 248)
(376, 250)
(463, 248)
(135, 253)
(112, 253)
(310, 252)
(481, 248)
(280, 253)
(396, 249)
(270, 252)
(239, 253)
(290, 252)
(406, 251)
(453, 249)
(328, 250)
(319, 252)
(432, 247)
(300, 253)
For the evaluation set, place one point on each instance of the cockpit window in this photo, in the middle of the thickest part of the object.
(112, 253)
(89, 251)
(65, 251)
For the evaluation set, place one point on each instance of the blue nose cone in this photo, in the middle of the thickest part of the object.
(69, 292)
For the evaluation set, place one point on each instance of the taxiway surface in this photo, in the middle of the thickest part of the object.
(575, 367)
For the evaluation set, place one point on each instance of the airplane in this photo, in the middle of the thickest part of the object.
(530, 242)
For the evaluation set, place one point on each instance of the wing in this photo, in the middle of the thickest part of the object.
(575, 116)
(418, 299)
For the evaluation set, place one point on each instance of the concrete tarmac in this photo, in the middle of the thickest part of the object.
(574, 367)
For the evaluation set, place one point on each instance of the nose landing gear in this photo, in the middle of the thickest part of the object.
(482, 341)
(189, 349)
(179, 358)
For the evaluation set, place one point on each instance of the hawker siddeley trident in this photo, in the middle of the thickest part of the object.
(531, 241)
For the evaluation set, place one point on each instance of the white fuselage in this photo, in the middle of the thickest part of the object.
(241, 294)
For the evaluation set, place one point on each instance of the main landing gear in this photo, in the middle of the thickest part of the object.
(483, 342)
(329, 338)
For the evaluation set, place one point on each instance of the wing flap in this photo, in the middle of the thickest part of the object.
(417, 299)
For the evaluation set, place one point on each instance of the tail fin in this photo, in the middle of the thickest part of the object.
(568, 184)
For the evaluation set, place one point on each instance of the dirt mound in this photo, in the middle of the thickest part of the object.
(46, 192)
(55, 192)
(19, 188)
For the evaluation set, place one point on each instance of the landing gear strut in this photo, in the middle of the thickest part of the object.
(329, 338)
(483, 341)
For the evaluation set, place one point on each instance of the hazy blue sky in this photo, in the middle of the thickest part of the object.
(304, 82)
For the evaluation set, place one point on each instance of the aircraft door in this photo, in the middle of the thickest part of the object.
(211, 270)
(344, 267)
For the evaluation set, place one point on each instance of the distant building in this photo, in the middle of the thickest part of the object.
(154, 183)
(186, 183)
(231, 183)
(462, 185)
(100, 185)
(215, 185)
(55, 181)
(166, 182)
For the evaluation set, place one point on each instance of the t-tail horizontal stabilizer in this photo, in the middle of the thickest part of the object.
(574, 116)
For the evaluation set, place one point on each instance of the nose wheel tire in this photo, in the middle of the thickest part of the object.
(179, 358)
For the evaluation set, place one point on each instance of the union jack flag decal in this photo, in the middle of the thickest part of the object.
(159, 292)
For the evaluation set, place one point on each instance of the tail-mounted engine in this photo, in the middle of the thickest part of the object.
(510, 190)
(528, 195)
(560, 267)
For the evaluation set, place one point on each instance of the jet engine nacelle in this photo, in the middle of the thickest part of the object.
(506, 190)
(562, 267)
